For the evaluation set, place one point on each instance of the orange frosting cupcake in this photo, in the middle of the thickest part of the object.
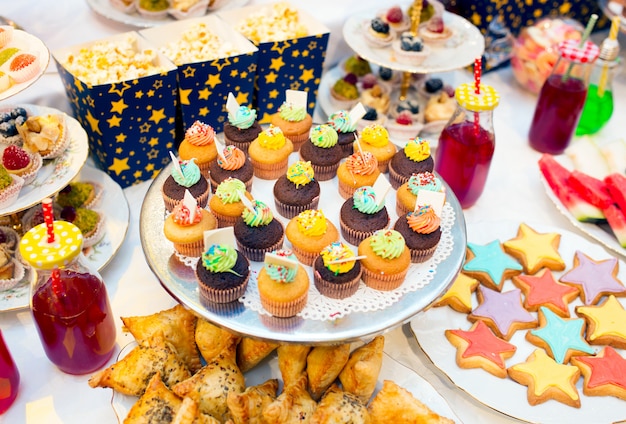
(199, 143)
(358, 170)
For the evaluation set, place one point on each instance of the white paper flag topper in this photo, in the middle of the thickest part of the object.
(435, 199)
(246, 202)
(176, 164)
(225, 235)
(220, 147)
(296, 98)
(191, 204)
(271, 258)
(231, 104)
(357, 112)
(381, 188)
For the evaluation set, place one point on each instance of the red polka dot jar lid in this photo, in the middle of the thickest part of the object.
(67, 244)
(571, 50)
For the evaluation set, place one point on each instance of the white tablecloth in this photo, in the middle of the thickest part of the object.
(513, 192)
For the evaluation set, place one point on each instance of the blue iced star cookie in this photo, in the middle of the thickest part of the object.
(490, 265)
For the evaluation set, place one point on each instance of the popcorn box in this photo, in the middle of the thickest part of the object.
(130, 123)
(204, 84)
(293, 63)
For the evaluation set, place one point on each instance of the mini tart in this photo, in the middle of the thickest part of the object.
(188, 240)
(414, 158)
(24, 67)
(296, 191)
(283, 299)
(421, 232)
(375, 139)
(435, 38)
(199, 144)
(80, 194)
(323, 152)
(153, 10)
(309, 233)
(126, 6)
(91, 224)
(180, 10)
(45, 134)
(375, 38)
(269, 153)
(413, 58)
(234, 166)
(377, 97)
(223, 287)
(11, 273)
(10, 193)
(383, 273)
(337, 281)
(29, 172)
(356, 171)
(6, 35)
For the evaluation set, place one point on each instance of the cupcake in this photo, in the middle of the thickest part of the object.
(233, 163)
(346, 130)
(421, 231)
(362, 215)
(410, 49)
(222, 273)
(357, 65)
(335, 273)
(404, 126)
(375, 139)
(186, 176)
(406, 194)
(283, 288)
(322, 151)
(371, 116)
(185, 233)
(377, 33)
(79, 194)
(199, 144)
(309, 233)
(241, 128)
(345, 92)
(414, 158)
(297, 190)
(45, 134)
(269, 153)
(10, 186)
(226, 204)
(358, 170)
(89, 222)
(294, 121)
(19, 162)
(258, 232)
(386, 260)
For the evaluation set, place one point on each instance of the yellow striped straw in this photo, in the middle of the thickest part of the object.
(614, 28)
(605, 69)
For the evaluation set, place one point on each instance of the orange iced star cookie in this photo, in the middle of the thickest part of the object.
(459, 295)
(606, 323)
(535, 250)
(547, 379)
(480, 348)
(604, 374)
(543, 290)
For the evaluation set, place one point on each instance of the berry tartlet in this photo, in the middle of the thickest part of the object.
(377, 33)
(410, 49)
(17, 161)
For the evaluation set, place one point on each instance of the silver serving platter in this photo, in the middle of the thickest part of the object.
(179, 281)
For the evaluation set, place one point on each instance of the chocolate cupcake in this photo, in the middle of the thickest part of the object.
(241, 128)
(222, 273)
(334, 274)
(258, 232)
(232, 164)
(346, 130)
(415, 158)
(322, 151)
(362, 215)
(421, 231)
(189, 178)
(297, 190)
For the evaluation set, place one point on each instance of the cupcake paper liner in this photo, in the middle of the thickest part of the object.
(290, 211)
(224, 220)
(334, 290)
(223, 296)
(96, 235)
(26, 73)
(326, 172)
(193, 249)
(384, 282)
(285, 309)
(396, 179)
(61, 144)
(422, 255)
(346, 190)
(269, 171)
(383, 165)
(241, 145)
(171, 203)
(306, 258)
(401, 209)
(352, 236)
(18, 274)
(9, 195)
(258, 255)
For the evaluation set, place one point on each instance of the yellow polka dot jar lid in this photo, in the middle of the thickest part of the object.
(488, 99)
(35, 249)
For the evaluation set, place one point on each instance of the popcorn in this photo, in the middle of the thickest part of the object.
(198, 44)
(108, 62)
(277, 23)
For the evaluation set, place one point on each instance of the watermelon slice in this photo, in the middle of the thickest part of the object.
(617, 221)
(591, 189)
(556, 176)
(616, 185)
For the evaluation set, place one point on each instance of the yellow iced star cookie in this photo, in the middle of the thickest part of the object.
(535, 250)
(606, 323)
(459, 295)
(547, 379)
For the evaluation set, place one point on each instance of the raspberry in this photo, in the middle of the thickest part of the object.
(435, 24)
(404, 118)
(350, 78)
(394, 15)
(14, 157)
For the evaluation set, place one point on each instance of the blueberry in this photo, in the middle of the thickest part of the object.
(18, 111)
(433, 85)
(7, 129)
(410, 105)
(370, 114)
(385, 73)
(5, 116)
(380, 26)
(20, 120)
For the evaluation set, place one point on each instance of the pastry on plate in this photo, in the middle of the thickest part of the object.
(360, 374)
(324, 363)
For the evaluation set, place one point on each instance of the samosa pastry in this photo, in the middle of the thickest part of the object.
(395, 404)
(338, 406)
(252, 351)
(323, 365)
(292, 361)
(189, 413)
(210, 386)
(247, 407)
(178, 326)
(293, 406)
(211, 339)
(131, 374)
(360, 374)
(157, 405)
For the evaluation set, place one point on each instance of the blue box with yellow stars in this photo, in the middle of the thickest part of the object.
(130, 125)
(203, 86)
(294, 64)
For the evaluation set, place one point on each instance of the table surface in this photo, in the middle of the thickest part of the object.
(513, 192)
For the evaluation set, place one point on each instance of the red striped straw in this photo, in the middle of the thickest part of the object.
(477, 73)
(48, 218)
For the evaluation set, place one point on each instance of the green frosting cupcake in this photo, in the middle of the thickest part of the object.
(5, 178)
(324, 136)
(230, 190)
(388, 244)
(220, 258)
(365, 200)
(262, 215)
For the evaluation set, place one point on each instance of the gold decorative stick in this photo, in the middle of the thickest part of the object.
(414, 12)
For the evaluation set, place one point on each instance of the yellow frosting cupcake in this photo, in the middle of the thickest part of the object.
(375, 139)
(269, 153)
(309, 233)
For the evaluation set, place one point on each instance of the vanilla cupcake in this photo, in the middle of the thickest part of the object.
(283, 290)
(386, 260)
(406, 195)
(309, 233)
(375, 139)
(199, 144)
(358, 170)
(185, 233)
(269, 153)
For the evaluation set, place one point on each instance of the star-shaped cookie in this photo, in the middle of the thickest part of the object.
(604, 374)
(542, 289)
(594, 279)
(547, 379)
(535, 250)
(459, 295)
(490, 265)
(561, 338)
(606, 323)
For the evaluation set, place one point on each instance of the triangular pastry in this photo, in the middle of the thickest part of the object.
(293, 406)
(292, 361)
(211, 339)
(338, 406)
(157, 405)
(360, 374)
(323, 365)
(247, 407)
(189, 413)
(252, 351)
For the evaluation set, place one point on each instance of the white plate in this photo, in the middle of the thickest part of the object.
(105, 8)
(505, 395)
(391, 370)
(600, 232)
(114, 206)
(466, 45)
(27, 43)
(55, 173)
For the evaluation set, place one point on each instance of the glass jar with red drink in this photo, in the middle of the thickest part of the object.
(562, 97)
(69, 300)
(467, 143)
(9, 377)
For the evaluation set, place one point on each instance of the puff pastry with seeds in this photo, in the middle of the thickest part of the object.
(247, 407)
(323, 365)
(252, 351)
(338, 406)
(292, 361)
(157, 405)
(189, 413)
(360, 374)
(293, 406)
